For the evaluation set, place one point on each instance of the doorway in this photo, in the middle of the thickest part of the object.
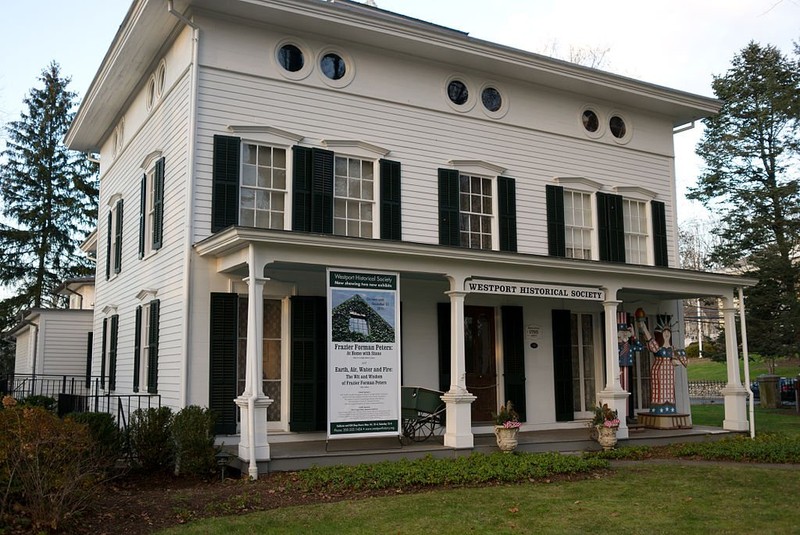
(481, 361)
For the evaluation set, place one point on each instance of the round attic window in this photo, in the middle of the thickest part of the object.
(617, 126)
(291, 57)
(491, 98)
(590, 121)
(457, 92)
(333, 66)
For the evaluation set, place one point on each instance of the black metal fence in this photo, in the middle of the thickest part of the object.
(77, 393)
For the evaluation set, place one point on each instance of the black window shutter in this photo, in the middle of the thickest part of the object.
(322, 191)
(449, 229)
(158, 204)
(308, 404)
(137, 349)
(89, 343)
(108, 245)
(118, 238)
(610, 227)
(225, 189)
(514, 357)
(142, 212)
(391, 222)
(152, 352)
(659, 234)
(301, 189)
(556, 233)
(222, 365)
(507, 213)
(112, 353)
(103, 354)
(443, 323)
(562, 365)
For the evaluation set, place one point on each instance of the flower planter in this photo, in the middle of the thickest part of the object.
(606, 436)
(506, 438)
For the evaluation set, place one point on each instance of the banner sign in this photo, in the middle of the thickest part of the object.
(364, 354)
(532, 289)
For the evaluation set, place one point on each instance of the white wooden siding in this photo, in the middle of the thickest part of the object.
(22, 357)
(423, 140)
(64, 342)
(165, 130)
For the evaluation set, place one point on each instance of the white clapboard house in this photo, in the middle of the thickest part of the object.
(247, 147)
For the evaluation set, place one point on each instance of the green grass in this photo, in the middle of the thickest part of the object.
(647, 498)
(708, 370)
(785, 421)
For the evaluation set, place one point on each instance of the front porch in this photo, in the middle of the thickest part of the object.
(290, 454)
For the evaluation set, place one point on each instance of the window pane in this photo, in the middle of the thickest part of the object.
(366, 170)
(340, 227)
(340, 186)
(366, 230)
(339, 208)
(248, 198)
(248, 175)
(354, 188)
(366, 190)
(354, 168)
(262, 200)
(366, 211)
(262, 219)
(341, 166)
(248, 154)
(264, 156)
(277, 221)
(277, 202)
(279, 158)
(264, 177)
(248, 218)
(279, 179)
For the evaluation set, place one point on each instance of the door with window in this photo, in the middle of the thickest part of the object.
(584, 364)
(481, 364)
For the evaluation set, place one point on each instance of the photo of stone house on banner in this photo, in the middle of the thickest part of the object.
(522, 202)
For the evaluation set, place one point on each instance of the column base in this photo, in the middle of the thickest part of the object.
(260, 442)
(617, 400)
(735, 408)
(458, 433)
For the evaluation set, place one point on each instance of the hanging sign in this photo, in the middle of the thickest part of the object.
(364, 353)
(533, 289)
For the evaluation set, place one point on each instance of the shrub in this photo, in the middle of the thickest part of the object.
(47, 465)
(193, 432)
(150, 437)
(45, 402)
(104, 431)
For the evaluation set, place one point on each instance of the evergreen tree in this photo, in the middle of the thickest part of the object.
(49, 198)
(752, 155)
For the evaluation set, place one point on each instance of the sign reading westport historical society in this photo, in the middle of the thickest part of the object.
(364, 354)
(533, 289)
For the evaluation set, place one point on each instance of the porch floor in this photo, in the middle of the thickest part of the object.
(289, 453)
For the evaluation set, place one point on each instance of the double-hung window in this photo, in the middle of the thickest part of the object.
(262, 195)
(477, 206)
(151, 207)
(578, 224)
(145, 357)
(353, 197)
(268, 183)
(475, 211)
(108, 352)
(114, 238)
(634, 215)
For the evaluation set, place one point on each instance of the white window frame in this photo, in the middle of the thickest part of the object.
(641, 235)
(270, 190)
(580, 223)
(644, 196)
(486, 170)
(114, 203)
(350, 200)
(583, 185)
(144, 348)
(492, 215)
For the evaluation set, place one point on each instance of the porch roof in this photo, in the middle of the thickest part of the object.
(234, 247)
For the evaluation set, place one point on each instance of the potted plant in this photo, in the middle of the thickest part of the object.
(604, 425)
(506, 427)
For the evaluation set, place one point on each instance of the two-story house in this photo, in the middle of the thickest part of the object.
(248, 147)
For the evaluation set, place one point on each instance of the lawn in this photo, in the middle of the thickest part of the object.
(786, 420)
(708, 370)
(645, 498)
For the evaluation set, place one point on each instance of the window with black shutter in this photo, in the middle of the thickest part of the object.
(308, 403)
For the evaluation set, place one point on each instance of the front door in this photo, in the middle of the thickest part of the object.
(479, 352)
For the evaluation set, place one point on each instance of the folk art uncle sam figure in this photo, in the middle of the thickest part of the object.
(666, 358)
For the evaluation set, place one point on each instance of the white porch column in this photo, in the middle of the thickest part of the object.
(613, 394)
(734, 392)
(253, 443)
(458, 433)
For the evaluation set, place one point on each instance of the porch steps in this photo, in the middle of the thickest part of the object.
(295, 455)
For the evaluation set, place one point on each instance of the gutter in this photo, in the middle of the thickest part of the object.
(183, 394)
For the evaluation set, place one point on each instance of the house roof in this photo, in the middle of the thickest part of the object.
(72, 285)
(148, 25)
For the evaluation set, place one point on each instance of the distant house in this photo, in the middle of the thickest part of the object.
(248, 146)
(53, 344)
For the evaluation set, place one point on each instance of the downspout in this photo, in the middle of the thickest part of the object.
(745, 356)
(183, 394)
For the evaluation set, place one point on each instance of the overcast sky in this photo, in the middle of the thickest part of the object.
(675, 43)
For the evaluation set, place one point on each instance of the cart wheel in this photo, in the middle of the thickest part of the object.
(424, 429)
(408, 429)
